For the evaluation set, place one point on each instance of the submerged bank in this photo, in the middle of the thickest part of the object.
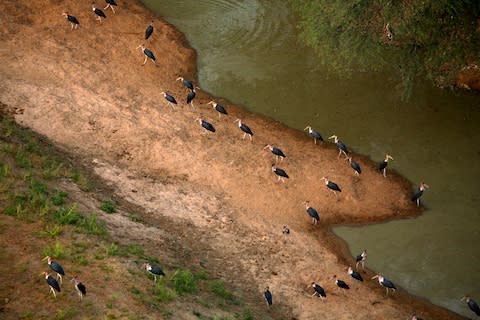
(111, 109)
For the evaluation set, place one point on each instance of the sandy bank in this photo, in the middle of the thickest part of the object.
(87, 90)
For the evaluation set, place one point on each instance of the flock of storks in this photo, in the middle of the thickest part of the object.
(155, 270)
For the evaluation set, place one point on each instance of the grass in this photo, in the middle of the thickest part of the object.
(108, 206)
(52, 231)
(56, 251)
(184, 281)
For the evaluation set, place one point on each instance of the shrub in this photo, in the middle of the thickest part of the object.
(184, 282)
(108, 206)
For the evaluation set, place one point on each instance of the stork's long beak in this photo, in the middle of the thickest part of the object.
(374, 277)
(266, 146)
(138, 47)
(45, 258)
(305, 128)
(332, 137)
(179, 78)
(211, 102)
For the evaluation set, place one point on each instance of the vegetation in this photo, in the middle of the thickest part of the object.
(432, 39)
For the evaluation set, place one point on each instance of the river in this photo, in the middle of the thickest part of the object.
(249, 53)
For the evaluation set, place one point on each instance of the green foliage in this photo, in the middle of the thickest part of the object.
(58, 198)
(91, 225)
(184, 282)
(68, 314)
(56, 251)
(433, 39)
(108, 206)
(68, 216)
(218, 287)
(112, 250)
(161, 293)
(52, 231)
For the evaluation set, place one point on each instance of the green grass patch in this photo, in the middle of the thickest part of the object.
(58, 197)
(184, 281)
(51, 231)
(68, 215)
(56, 251)
(108, 206)
(91, 225)
(161, 293)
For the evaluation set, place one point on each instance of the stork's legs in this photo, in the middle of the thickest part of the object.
(384, 172)
(193, 107)
(111, 7)
(144, 61)
(59, 278)
(315, 140)
(244, 135)
(53, 291)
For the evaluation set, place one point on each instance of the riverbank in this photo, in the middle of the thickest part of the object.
(86, 90)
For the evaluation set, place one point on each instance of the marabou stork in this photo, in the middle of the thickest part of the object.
(246, 129)
(154, 270)
(52, 283)
(414, 317)
(276, 151)
(341, 284)
(148, 54)
(72, 20)
(418, 193)
(318, 291)
(285, 230)
(360, 259)
(190, 96)
(99, 13)
(206, 125)
(354, 274)
(219, 108)
(332, 186)
(110, 3)
(472, 305)
(342, 148)
(80, 287)
(314, 134)
(383, 165)
(149, 30)
(281, 174)
(268, 296)
(387, 284)
(355, 166)
(187, 83)
(55, 266)
(170, 99)
(312, 213)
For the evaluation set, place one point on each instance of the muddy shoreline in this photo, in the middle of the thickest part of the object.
(110, 113)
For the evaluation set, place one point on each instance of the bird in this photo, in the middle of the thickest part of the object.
(281, 174)
(472, 305)
(332, 186)
(55, 266)
(52, 283)
(246, 129)
(312, 212)
(384, 282)
(383, 165)
(419, 192)
(285, 230)
(314, 134)
(154, 270)
(342, 148)
(360, 259)
(170, 99)
(73, 20)
(190, 96)
(319, 291)
(341, 284)
(187, 83)
(355, 166)
(149, 30)
(80, 287)
(268, 296)
(276, 151)
(354, 274)
(110, 3)
(100, 14)
(148, 54)
(206, 125)
(219, 108)
(387, 31)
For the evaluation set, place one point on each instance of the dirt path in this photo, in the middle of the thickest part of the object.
(87, 91)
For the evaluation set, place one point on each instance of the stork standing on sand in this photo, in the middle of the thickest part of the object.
(99, 13)
(219, 108)
(190, 96)
(55, 266)
(110, 4)
(52, 283)
(154, 270)
(341, 284)
(384, 282)
(267, 294)
(276, 151)
(355, 166)
(314, 134)
(354, 274)
(74, 23)
(472, 305)
(186, 83)
(170, 99)
(360, 259)
(319, 291)
(419, 192)
(148, 54)
(206, 125)
(80, 287)
(281, 174)
(149, 30)
(312, 213)
(331, 185)
(342, 148)
(246, 129)
(383, 165)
